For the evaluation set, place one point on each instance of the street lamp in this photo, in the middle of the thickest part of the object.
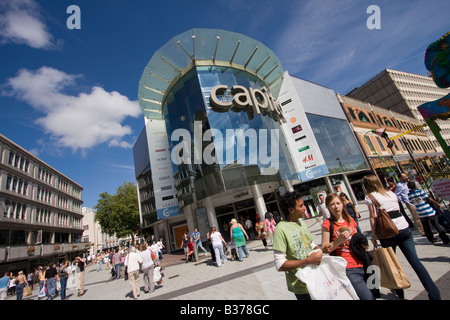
(382, 133)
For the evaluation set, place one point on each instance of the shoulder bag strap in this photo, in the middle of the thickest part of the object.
(374, 201)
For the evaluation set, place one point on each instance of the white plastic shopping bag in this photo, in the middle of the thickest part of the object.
(43, 292)
(157, 274)
(328, 281)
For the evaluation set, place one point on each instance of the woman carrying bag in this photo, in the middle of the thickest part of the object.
(336, 235)
(379, 198)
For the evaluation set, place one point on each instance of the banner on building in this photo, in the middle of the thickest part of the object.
(307, 160)
(166, 200)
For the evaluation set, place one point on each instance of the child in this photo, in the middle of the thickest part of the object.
(234, 255)
(426, 213)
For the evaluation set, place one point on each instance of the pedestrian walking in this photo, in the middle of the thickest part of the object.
(79, 275)
(270, 225)
(155, 248)
(211, 249)
(42, 271)
(161, 248)
(147, 267)
(184, 244)
(4, 281)
(98, 260)
(197, 240)
(51, 276)
(12, 284)
(66, 270)
(351, 209)
(402, 191)
(116, 261)
(260, 228)
(30, 279)
(133, 262)
(249, 227)
(21, 282)
(293, 243)
(238, 236)
(217, 240)
(404, 239)
(336, 235)
(426, 213)
(324, 214)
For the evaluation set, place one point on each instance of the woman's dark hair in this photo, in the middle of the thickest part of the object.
(289, 201)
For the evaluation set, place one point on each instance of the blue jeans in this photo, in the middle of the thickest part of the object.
(63, 282)
(19, 291)
(117, 268)
(51, 287)
(244, 247)
(404, 240)
(356, 277)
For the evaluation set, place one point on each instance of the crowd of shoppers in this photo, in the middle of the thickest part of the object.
(294, 247)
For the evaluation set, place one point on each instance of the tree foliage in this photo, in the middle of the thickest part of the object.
(118, 214)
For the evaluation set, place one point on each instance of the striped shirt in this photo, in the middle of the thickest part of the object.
(418, 198)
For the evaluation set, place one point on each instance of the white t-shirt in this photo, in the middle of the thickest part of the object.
(215, 238)
(389, 203)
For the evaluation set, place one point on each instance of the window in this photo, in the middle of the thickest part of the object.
(388, 122)
(352, 113)
(380, 144)
(363, 117)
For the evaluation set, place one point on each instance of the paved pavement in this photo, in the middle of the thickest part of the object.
(255, 278)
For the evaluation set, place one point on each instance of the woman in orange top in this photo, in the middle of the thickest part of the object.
(343, 228)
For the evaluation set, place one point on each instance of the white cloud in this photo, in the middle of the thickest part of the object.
(77, 122)
(21, 23)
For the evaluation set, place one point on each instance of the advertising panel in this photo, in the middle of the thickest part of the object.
(307, 160)
(166, 200)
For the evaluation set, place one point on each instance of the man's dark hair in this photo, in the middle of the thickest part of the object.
(412, 185)
(289, 200)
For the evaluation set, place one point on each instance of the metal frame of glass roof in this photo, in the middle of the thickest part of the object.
(204, 47)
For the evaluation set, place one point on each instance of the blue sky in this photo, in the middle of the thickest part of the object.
(70, 96)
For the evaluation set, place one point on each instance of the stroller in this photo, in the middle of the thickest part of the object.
(190, 254)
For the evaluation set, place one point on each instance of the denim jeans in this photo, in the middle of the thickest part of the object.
(356, 277)
(51, 287)
(19, 291)
(117, 268)
(63, 282)
(404, 240)
(199, 245)
(244, 247)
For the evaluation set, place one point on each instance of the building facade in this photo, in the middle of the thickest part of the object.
(93, 234)
(403, 92)
(41, 218)
(228, 131)
(407, 145)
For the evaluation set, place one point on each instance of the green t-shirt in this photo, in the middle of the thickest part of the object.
(295, 240)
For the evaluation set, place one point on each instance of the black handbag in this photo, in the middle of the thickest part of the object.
(126, 268)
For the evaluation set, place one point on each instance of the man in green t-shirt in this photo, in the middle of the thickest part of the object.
(293, 243)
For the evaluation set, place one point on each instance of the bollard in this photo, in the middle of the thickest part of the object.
(195, 253)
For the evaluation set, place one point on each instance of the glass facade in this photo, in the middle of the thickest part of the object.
(230, 156)
(235, 161)
(337, 144)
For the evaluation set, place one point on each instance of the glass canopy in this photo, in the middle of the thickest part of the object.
(204, 47)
